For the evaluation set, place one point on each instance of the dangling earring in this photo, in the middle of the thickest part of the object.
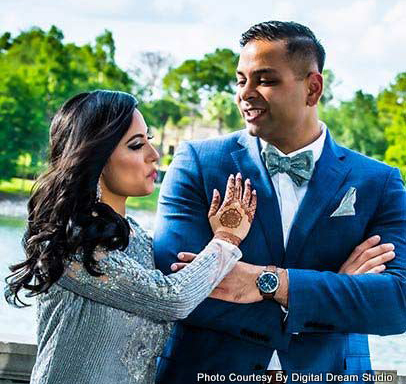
(98, 192)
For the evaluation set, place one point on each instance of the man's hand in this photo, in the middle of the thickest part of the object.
(368, 257)
(239, 286)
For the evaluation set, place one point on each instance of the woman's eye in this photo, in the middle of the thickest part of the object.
(134, 147)
(240, 82)
(150, 136)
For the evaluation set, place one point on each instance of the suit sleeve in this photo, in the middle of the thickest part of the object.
(182, 225)
(369, 303)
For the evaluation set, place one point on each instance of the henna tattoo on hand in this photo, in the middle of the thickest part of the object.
(215, 203)
(250, 209)
(230, 238)
(238, 204)
(230, 218)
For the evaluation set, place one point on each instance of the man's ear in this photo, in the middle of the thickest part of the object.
(315, 88)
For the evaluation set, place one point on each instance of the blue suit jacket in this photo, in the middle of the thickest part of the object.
(332, 312)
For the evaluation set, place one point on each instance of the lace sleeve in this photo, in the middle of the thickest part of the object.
(129, 286)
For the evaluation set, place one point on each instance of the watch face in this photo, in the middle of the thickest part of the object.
(268, 282)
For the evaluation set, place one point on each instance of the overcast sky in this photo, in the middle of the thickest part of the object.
(364, 39)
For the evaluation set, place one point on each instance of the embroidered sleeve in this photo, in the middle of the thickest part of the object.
(129, 286)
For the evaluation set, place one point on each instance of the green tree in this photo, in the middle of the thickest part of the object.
(38, 72)
(196, 84)
(392, 115)
(158, 113)
(355, 124)
(329, 83)
(222, 110)
(193, 78)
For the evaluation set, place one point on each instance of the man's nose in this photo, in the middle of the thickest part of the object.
(248, 91)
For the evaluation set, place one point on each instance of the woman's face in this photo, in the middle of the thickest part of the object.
(131, 169)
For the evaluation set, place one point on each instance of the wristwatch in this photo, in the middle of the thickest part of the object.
(268, 282)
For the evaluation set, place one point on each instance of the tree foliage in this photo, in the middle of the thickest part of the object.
(392, 115)
(207, 85)
(194, 79)
(38, 72)
(221, 108)
(356, 125)
(158, 113)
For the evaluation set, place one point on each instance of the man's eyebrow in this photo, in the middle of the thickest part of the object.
(134, 136)
(260, 71)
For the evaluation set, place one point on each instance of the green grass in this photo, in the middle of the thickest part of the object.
(10, 221)
(148, 203)
(16, 186)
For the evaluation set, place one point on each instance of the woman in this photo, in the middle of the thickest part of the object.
(104, 312)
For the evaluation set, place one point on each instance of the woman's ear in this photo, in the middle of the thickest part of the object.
(314, 88)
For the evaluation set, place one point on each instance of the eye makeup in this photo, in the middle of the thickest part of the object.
(139, 144)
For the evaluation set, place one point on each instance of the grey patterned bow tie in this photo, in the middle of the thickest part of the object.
(299, 167)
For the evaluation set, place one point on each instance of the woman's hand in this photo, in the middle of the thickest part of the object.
(232, 220)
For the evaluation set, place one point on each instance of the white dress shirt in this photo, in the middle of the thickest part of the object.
(290, 197)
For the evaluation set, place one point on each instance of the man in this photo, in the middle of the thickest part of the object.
(316, 202)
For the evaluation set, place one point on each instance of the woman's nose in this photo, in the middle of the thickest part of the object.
(153, 154)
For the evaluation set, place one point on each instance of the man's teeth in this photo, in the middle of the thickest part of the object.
(254, 112)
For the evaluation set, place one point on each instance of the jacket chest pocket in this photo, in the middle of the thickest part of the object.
(334, 239)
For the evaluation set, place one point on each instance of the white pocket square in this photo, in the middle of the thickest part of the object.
(346, 207)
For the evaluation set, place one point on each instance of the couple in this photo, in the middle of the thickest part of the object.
(319, 270)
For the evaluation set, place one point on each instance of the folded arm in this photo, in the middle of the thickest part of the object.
(368, 303)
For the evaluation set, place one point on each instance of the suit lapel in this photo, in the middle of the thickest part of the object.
(250, 165)
(329, 174)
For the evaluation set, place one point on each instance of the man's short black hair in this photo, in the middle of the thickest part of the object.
(301, 44)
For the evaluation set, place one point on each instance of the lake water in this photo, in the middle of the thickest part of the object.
(387, 353)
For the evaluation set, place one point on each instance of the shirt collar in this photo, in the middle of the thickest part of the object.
(316, 146)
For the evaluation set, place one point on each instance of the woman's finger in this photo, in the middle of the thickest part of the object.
(247, 193)
(253, 204)
(186, 257)
(238, 187)
(229, 189)
(215, 203)
(252, 207)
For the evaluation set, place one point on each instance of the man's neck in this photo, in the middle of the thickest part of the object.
(296, 138)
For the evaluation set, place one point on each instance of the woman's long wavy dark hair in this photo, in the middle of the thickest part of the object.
(63, 214)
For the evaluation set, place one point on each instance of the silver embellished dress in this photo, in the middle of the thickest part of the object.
(110, 329)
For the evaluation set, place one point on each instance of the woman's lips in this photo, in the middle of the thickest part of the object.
(153, 175)
(253, 114)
